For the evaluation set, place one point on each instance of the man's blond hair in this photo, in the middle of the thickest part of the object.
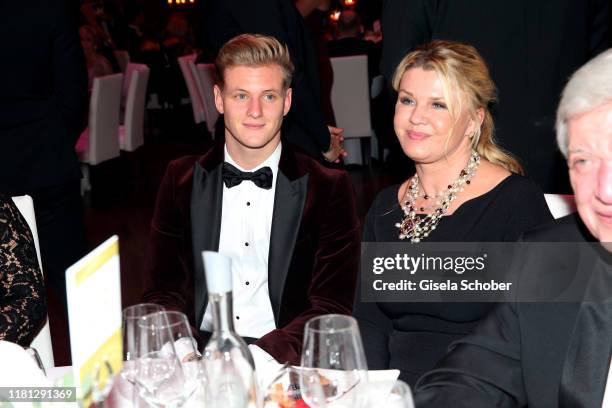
(254, 50)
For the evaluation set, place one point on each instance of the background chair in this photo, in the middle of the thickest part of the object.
(127, 78)
(350, 98)
(42, 341)
(560, 205)
(196, 101)
(99, 142)
(206, 77)
(131, 133)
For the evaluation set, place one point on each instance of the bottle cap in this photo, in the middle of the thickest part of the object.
(218, 271)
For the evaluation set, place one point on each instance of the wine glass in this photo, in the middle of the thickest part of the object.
(131, 315)
(333, 348)
(165, 378)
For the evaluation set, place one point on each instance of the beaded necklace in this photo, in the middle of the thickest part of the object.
(415, 228)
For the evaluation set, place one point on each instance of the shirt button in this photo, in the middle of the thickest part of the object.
(237, 317)
(247, 283)
(248, 203)
(246, 244)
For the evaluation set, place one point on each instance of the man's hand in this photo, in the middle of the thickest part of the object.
(336, 149)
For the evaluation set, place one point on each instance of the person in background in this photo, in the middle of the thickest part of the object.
(95, 14)
(315, 17)
(97, 64)
(23, 302)
(177, 37)
(128, 36)
(553, 353)
(43, 104)
(465, 189)
(305, 126)
(349, 41)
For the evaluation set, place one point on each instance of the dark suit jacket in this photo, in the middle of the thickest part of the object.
(517, 354)
(43, 94)
(314, 243)
(304, 126)
(531, 47)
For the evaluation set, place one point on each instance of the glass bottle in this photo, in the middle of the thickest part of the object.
(230, 365)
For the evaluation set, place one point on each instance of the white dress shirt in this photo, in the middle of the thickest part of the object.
(246, 224)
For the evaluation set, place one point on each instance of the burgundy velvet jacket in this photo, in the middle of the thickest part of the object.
(314, 243)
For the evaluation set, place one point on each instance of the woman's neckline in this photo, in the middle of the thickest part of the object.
(467, 202)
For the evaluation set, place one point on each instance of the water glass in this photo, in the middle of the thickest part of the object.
(131, 315)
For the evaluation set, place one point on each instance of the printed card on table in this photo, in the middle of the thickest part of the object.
(93, 286)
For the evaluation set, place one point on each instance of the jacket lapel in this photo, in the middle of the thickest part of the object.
(289, 201)
(206, 206)
(550, 328)
(545, 342)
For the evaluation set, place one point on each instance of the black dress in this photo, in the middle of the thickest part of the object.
(23, 307)
(412, 337)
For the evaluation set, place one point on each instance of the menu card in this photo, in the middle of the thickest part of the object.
(93, 286)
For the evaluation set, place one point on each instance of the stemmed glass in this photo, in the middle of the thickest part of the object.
(165, 378)
(131, 315)
(332, 346)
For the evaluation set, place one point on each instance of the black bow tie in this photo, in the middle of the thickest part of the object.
(232, 176)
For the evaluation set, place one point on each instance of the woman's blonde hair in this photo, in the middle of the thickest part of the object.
(460, 67)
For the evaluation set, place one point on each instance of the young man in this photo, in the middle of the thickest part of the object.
(288, 223)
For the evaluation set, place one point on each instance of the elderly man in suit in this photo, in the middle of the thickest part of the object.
(554, 354)
(288, 222)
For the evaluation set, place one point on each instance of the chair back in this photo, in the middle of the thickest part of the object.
(127, 79)
(197, 105)
(123, 59)
(560, 205)
(133, 128)
(206, 76)
(377, 86)
(42, 341)
(104, 119)
(350, 95)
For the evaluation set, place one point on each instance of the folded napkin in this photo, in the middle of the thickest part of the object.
(23, 372)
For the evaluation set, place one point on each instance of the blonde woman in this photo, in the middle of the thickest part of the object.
(465, 189)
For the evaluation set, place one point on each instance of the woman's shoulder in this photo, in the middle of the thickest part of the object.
(516, 184)
(500, 182)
